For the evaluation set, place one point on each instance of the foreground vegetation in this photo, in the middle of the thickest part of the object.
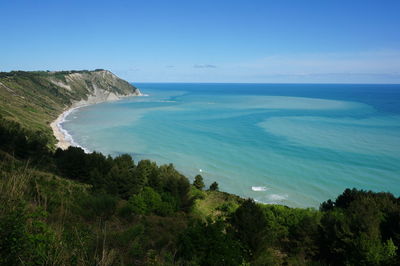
(66, 207)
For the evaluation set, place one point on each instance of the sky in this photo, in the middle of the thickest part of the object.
(282, 41)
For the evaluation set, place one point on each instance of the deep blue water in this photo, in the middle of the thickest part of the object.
(293, 144)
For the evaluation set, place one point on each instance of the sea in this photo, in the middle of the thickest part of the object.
(291, 144)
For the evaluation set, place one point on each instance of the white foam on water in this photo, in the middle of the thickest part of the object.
(277, 197)
(273, 199)
(259, 188)
(166, 101)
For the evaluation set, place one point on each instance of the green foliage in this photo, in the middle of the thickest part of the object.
(25, 237)
(137, 205)
(214, 186)
(214, 204)
(21, 142)
(128, 237)
(120, 177)
(294, 232)
(149, 201)
(209, 244)
(198, 182)
(250, 223)
(352, 228)
(97, 205)
(147, 172)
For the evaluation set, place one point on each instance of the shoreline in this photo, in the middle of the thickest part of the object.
(64, 139)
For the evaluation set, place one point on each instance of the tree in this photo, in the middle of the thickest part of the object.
(198, 182)
(250, 224)
(209, 244)
(149, 201)
(354, 231)
(214, 186)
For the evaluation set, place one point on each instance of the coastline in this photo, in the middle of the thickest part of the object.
(64, 139)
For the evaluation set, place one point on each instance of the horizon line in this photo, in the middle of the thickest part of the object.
(266, 83)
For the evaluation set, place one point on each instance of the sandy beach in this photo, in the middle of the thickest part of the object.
(64, 140)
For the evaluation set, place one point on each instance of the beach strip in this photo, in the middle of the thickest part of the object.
(64, 139)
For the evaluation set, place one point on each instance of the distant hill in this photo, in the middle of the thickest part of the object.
(34, 99)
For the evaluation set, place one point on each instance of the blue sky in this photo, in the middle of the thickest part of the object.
(207, 41)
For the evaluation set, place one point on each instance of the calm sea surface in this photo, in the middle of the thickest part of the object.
(292, 144)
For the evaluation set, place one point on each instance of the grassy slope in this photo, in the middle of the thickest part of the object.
(214, 203)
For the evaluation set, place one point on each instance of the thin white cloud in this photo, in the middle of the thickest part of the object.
(379, 62)
(205, 66)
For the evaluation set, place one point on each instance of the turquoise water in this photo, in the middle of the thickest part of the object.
(296, 145)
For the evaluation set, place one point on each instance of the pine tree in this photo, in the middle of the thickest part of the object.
(214, 186)
(198, 182)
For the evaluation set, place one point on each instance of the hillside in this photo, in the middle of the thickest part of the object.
(68, 207)
(35, 99)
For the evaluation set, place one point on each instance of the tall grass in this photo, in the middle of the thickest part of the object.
(37, 213)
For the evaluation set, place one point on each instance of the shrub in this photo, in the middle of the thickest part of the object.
(25, 238)
(214, 186)
(97, 205)
(198, 182)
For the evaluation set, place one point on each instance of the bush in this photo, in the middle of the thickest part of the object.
(209, 244)
(250, 225)
(198, 182)
(97, 205)
(214, 186)
(25, 238)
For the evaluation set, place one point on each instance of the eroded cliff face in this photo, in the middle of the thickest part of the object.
(94, 87)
